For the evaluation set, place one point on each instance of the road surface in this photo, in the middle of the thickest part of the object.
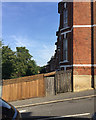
(74, 109)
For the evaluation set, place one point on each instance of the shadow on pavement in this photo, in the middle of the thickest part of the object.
(28, 116)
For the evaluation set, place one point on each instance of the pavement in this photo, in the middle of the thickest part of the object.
(55, 98)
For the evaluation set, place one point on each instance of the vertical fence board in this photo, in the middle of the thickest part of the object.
(41, 86)
(26, 90)
(34, 89)
(23, 90)
(31, 89)
(12, 91)
(37, 89)
(3, 92)
(19, 90)
(8, 92)
(49, 84)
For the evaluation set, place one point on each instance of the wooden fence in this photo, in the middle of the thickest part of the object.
(23, 88)
(58, 82)
(63, 81)
(37, 86)
(49, 83)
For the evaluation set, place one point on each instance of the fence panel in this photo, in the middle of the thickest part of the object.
(23, 88)
(49, 85)
(63, 81)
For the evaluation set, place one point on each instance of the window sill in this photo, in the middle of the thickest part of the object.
(64, 28)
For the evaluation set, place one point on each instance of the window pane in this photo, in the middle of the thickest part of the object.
(66, 13)
(65, 16)
(65, 49)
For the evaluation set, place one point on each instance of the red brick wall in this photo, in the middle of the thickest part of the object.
(82, 37)
(79, 40)
(82, 70)
(81, 13)
(82, 45)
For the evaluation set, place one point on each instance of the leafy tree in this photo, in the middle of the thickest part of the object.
(22, 59)
(17, 64)
(25, 66)
(32, 68)
(43, 69)
(8, 62)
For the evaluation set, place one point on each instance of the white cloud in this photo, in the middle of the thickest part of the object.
(41, 51)
(45, 54)
(19, 41)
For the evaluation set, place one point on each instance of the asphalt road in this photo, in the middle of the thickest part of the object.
(74, 109)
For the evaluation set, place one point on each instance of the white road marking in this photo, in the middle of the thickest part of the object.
(21, 111)
(75, 115)
(83, 114)
(55, 101)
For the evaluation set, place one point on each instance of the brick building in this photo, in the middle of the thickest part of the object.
(53, 64)
(76, 41)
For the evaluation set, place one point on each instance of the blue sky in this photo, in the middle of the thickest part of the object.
(33, 25)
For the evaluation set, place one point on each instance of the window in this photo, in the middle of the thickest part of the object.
(60, 38)
(65, 17)
(65, 49)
